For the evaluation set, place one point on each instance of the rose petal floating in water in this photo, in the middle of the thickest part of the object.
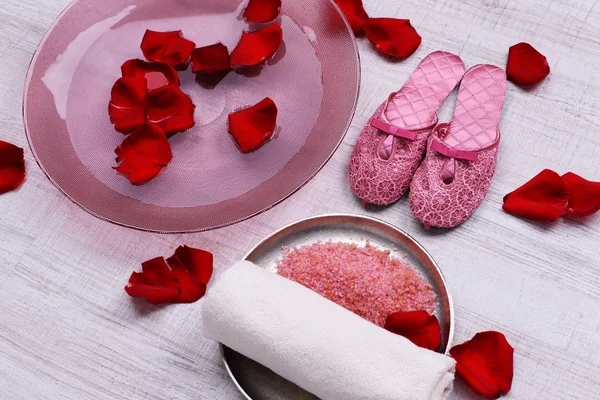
(132, 105)
(168, 47)
(157, 74)
(127, 107)
(170, 109)
(257, 47)
(253, 126)
(260, 11)
(210, 59)
(143, 154)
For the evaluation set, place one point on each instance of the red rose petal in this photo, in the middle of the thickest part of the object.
(585, 195)
(127, 104)
(12, 166)
(210, 59)
(156, 283)
(132, 105)
(143, 154)
(260, 11)
(192, 269)
(485, 363)
(417, 326)
(170, 109)
(393, 37)
(168, 47)
(526, 65)
(199, 263)
(190, 291)
(184, 282)
(253, 126)
(157, 74)
(257, 47)
(355, 14)
(544, 198)
(210, 81)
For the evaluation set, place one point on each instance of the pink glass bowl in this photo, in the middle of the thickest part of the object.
(313, 79)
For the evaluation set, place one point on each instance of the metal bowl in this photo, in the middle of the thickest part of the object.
(257, 382)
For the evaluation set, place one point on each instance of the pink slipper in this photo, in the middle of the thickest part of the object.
(461, 158)
(392, 144)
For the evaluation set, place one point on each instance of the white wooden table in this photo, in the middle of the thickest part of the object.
(69, 331)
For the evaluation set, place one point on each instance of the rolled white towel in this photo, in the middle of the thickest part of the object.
(320, 346)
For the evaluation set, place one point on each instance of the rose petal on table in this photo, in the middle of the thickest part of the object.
(181, 279)
(168, 47)
(355, 13)
(199, 263)
(156, 283)
(170, 109)
(12, 167)
(210, 59)
(192, 269)
(143, 154)
(253, 126)
(127, 104)
(393, 37)
(584, 197)
(485, 363)
(189, 290)
(417, 326)
(157, 74)
(526, 65)
(257, 47)
(260, 11)
(543, 198)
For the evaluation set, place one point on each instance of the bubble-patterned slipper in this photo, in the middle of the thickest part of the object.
(461, 158)
(392, 144)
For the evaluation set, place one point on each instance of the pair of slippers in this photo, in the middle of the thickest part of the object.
(448, 166)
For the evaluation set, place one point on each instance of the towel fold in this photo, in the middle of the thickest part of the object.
(320, 346)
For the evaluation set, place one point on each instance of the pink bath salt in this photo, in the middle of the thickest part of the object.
(364, 280)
